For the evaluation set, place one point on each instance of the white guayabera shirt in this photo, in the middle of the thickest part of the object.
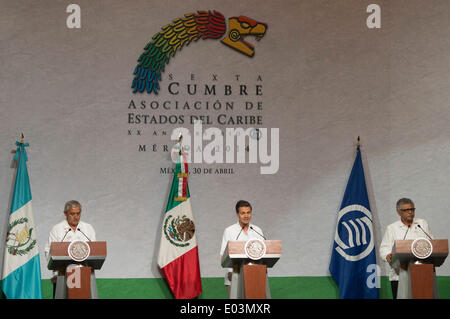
(63, 232)
(399, 231)
(231, 233)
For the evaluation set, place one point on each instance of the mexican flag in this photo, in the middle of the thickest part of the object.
(178, 251)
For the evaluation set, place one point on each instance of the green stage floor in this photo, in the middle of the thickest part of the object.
(213, 288)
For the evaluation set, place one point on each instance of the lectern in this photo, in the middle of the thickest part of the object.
(419, 259)
(250, 260)
(76, 277)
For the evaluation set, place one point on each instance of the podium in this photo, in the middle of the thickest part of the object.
(76, 280)
(421, 278)
(249, 277)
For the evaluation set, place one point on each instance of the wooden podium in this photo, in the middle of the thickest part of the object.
(422, 280)
(249, 277)
(76, 280)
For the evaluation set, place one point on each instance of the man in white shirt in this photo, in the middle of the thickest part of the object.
(70, 229)
(408, 227)
(242, 230)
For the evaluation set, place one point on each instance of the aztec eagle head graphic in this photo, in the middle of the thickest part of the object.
(181, 32)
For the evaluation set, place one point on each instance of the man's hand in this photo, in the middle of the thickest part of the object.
(389, 258)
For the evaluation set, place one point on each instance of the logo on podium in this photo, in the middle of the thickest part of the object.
(255, 249)
(79, 250)
(421, 248)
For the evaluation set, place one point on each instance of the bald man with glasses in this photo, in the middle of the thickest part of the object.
(408, 227)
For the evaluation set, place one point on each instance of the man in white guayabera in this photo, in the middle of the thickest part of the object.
(408, 227)
(68, 230)
(242, 230)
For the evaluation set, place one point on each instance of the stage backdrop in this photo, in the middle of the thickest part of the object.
(314, 78)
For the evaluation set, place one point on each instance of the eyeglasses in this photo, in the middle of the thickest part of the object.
(407, 210)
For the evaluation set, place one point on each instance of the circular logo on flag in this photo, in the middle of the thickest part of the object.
(421, 248)
(79, 250)
(255, 249)
(179, 230)
(354, 235)
(18, 238)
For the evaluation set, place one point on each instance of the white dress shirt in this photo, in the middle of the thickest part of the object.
(235, 232)
(63, 232)
(397, 231)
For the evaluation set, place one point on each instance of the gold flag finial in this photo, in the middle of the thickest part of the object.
(358, 143)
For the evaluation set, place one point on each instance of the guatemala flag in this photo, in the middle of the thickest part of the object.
(353, 260)
(21, 278)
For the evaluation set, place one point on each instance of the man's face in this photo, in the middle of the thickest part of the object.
(406, 213)
(73, 215)
(245, 215)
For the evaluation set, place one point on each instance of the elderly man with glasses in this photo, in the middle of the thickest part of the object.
(408, 227)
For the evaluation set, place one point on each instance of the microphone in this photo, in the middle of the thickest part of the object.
(251, 227)
(424, 231)
(65, 234)
(84, 234)
(240, 232)
(409, 226)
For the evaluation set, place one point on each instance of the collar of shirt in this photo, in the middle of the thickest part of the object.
(66, 226)
(239, 226)
(403, 226)
(249, 234)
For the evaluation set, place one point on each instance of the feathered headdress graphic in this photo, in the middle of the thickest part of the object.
(181, 32)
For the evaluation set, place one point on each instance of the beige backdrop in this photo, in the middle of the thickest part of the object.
(326, 79)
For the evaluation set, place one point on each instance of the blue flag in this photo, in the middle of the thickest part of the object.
(21, 278)
(353, 260)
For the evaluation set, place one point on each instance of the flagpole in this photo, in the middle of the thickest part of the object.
(21, 146)
(358, 142)
(180, 139)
